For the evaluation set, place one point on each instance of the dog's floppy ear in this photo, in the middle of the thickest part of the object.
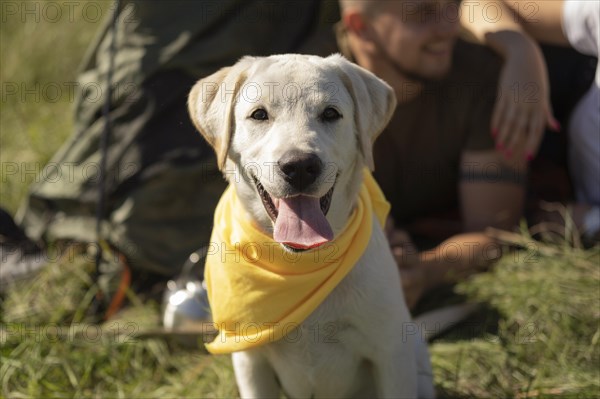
(374, 103)
(211, 105)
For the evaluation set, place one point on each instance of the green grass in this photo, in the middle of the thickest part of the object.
(39, 56)
(547, 302)
(536, 336)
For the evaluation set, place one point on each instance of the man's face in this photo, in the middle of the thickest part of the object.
(418, 35)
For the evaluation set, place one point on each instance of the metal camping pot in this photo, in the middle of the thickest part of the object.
(185, 301)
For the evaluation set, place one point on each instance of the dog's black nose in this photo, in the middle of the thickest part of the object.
(300, 169)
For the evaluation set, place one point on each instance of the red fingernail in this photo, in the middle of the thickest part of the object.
(494, 133)
(508, 153)
(556, 125)
(499, 146)
(529, 156)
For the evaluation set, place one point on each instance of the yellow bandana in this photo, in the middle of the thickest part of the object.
(258, 292)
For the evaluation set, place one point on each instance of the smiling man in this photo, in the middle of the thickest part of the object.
(436, 161)
(405, 41)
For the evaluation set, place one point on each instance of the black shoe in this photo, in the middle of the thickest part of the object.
(20, 257)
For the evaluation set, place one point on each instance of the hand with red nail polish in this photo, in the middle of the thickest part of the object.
(522, 108)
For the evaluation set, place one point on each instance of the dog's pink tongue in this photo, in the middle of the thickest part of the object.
(301, 223)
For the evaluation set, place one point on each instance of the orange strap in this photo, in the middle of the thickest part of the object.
(119, 297)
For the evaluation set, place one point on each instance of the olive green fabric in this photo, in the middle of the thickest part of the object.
(162, 182)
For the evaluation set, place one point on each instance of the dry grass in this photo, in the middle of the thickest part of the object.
(545, 340)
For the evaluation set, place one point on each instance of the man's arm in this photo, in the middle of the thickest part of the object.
(542, 19)
(491, 190)
(492, 193)
(451, 261)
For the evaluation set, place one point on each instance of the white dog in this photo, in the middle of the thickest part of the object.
(312, 122)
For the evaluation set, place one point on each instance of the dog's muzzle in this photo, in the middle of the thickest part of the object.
(299, 219)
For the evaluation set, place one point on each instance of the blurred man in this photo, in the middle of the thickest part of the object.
(436, 161)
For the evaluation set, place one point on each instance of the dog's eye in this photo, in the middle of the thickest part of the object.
(330, 114)
(260, 115)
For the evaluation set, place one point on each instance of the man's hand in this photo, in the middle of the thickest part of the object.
(406, 255)
(453, 260)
